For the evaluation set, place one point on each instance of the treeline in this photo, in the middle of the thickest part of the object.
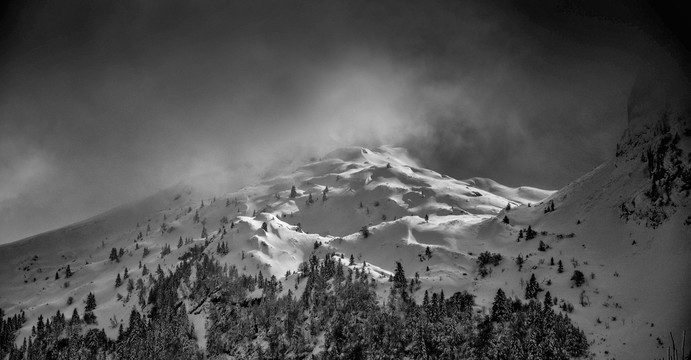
(336, 316)
(339, 304)
(8, 328)
(163, 331)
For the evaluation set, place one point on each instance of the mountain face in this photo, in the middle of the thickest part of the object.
(659, 138)
(631, 219)
(624, 226)
(334, 198)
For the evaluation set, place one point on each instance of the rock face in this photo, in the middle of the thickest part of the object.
(659, 137)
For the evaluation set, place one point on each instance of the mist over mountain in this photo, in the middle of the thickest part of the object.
(583, 258)
(388, 180)
(101, 104)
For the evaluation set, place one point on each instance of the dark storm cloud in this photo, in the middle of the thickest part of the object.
(105, 102)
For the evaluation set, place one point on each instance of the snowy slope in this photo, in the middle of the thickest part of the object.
(395, 193)
(630, 241)
(631, 221)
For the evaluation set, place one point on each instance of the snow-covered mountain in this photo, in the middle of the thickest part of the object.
(626, 225)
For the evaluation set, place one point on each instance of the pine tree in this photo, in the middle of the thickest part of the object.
(89, 316)
(195, 219)
(505, 220)
(500, 307)
(578, 278)
(68, 272)
(118, 281)
(180, 242)
(548, 299)
(551, 262)
(532, 289)
(432, 312)
(120, 333)
(40, 326)
(113, 255)
(399, 281)
(560, 268)
(542, 246)
(265, 226)
(204, 232)
(428, 253)
(519, 262)
(166, 250)
(75, 317)
(442, 304)
(352, 260)
(293, 192)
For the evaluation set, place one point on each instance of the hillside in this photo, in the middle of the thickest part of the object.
(625, 225)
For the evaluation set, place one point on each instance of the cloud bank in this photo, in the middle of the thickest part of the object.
(103, 103)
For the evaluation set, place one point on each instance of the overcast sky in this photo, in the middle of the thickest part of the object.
(104, 102)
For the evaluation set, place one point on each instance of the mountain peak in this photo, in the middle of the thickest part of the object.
(379, 156)
(376, 206)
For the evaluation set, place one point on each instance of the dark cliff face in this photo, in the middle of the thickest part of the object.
(658, 139)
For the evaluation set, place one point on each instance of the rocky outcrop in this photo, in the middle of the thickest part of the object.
(658, 137)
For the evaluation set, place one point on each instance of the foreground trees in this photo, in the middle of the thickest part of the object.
(333, 314)
(340, 304)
